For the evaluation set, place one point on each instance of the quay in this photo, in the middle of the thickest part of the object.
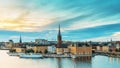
(65, 56)
(56, 56)
(110, 54)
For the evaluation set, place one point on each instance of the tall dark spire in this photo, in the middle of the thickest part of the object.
(111, 40)
(59, 33)
(59, 37)
(20, 39)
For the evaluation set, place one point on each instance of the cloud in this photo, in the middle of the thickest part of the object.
(35, 15)
(78, 19)
(116, 34)
(14, 37)
(115, 37)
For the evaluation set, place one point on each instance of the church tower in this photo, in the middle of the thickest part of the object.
(20, 41)
(59, 38)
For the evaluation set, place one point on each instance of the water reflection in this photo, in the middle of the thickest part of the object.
(110, 59)
(73, 63)
(82, 62)
(118, 60)
(59, 64)
(113, 59)
(96, 62)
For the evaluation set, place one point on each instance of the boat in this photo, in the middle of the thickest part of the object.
(73, 56)
(30, 55)
(13, 54)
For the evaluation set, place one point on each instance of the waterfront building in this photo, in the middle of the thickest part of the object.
(105, 48)
(98, 48)
(63, 49)
(80, 49)
(52, 49)
(19, 49)
(40, 48)
(41, 41)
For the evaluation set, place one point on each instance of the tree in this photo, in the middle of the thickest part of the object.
(110, 50)
(12, 50)
(119, 50)
(29, 51)
(46, 51)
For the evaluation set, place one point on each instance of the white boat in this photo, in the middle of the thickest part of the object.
(13, 54)
(73, 56)
(30, 55)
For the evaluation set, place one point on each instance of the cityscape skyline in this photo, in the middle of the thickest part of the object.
(80, 20)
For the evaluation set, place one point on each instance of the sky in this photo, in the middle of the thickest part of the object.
(80, 20)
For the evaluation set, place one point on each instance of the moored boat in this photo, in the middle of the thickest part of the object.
(30, 55)
(13, 54)
(73, 56)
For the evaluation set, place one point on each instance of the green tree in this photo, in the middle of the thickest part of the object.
(46, 51)
(29, 51)
(12, 50)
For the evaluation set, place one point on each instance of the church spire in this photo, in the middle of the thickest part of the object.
(20, 39)
(59, 31)
(59, 37)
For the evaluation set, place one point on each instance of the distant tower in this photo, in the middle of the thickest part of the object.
(20, 40)
(59, 38)
(111, 40)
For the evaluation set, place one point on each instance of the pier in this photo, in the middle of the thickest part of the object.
(66, 56)
(56, 56)
(111, 54)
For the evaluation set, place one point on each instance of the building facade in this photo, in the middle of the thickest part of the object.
(80, 49)
(40, 49)
(52, 49)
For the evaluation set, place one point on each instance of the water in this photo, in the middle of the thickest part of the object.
(96, 62)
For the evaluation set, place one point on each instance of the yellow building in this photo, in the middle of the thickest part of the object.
(98, 48)
(18, 49)
(41, 49)
(61, 50)
(105, 48)
(80, 50)
(73, 49)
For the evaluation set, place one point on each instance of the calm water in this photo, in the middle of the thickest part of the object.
(96, 62)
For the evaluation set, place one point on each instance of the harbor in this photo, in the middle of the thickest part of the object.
(38, 55)
(109, 54)
(97, 61)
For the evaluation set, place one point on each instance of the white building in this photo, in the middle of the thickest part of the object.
(52, 49)
(117, 46)
(41, 41)
(98, 48)
(105, 48)
(9, 44)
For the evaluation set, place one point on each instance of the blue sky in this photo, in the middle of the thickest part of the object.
(80, 20)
